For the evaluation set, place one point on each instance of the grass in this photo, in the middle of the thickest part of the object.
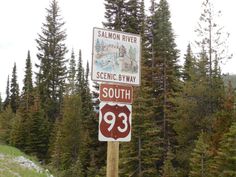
(9, 167)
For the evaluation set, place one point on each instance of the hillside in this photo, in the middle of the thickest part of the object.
(231, 78)
(14, 163)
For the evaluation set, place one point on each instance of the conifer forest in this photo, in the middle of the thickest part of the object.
(183, 115)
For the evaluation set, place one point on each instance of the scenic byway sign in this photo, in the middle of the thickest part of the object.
(116, 93)
(114, 122)
(116, 57)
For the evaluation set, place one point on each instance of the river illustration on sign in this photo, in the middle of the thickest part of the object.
(116, 57)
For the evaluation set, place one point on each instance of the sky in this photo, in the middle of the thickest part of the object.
(21, 22)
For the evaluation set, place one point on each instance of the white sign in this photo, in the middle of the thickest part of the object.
(116, 57)
(114, 122)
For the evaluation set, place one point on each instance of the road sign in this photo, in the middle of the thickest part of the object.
(116, 57)
(116, 93)
(114, 122)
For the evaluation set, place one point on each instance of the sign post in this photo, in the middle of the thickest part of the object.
(112, 158)
(115, 59)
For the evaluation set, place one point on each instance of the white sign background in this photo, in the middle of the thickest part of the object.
(116, 57)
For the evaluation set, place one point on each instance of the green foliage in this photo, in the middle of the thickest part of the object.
(6, 120)
(71, 86)
(14, 90)
(7, 99)
(165, 73)
(114, 14)
(38, 139)
(200, 157)
(27, 91)
(68, 138)
(225, 160)
(16, 135)
(169, 113)
(1, 103)
(52, 69)
(134, 16)
(168, 169)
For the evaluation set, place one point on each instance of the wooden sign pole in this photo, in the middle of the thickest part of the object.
(112, 158)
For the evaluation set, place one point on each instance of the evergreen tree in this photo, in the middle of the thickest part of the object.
(71, 87)
(95, 97)
(214, 40)
(27, 90)
(200, 158)
(22, 126)
(225, 161)
(114, 14)
(38, 130)
(6, 122)
(52, 69)
(1, 103)
(165, 72)
(189, 64)
(134, 16)
(80, 74)
(7, 99)
(16, 135)
(14, 97)
(192, 114)
(223, 119)
(211, 34)
(135, 156)
(90, 159)
(68, 139)
(168, 169)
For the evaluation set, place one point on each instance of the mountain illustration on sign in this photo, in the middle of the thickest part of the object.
(113, 57)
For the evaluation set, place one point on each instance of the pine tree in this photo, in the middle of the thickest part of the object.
(192, 114)
(134, 16)
(211, 35)
(38, 131)
(1, 103)
(189, 64)
(213, 39)
(71, 87)
(200, 158)
(68, 139)
(14, 97)
(90, 159)
(135, 156)
(6, 122)
(7, 99)
(223, 119)
(225, 161)
(27, 90)
(114, 14)
(95, 97)
(168, 169)
(22, 124)
(80, 74)
(16, 138)
(165, 72)
(52, 69)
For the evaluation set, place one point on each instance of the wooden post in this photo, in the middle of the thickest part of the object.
(112, 158)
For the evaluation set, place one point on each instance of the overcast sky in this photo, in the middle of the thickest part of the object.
(21, 21)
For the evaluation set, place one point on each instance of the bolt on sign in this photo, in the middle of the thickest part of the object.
(114, 122)
(116, 57)
(116, 93)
